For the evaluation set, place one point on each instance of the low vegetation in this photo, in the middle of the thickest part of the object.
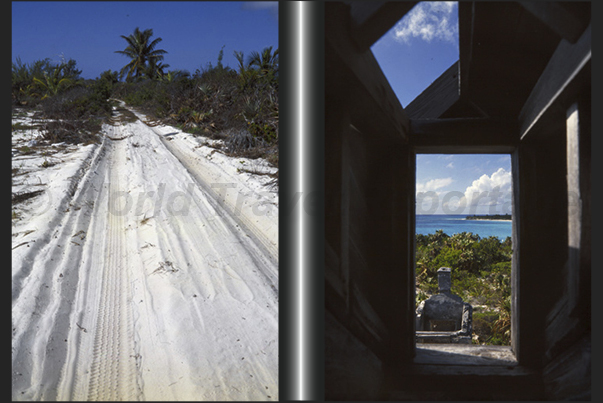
(74, 108)
(239, 106)
(481, 275)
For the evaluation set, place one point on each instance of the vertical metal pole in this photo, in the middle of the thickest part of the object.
(302, 201)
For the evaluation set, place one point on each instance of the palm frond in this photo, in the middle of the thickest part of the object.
(143, 54)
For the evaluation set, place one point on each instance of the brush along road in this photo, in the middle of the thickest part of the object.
(159, 280)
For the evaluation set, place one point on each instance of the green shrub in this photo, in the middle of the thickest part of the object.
(77, 114)
(482, 325)
(76, 107)
(23, 75)
(481, 275)
(213, 102)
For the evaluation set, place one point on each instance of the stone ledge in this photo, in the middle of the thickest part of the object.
(455, 354)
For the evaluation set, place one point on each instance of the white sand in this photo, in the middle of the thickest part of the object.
(140, 285)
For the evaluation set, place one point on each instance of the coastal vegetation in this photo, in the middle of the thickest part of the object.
(481, 275)
(237, 105)
(489, 217)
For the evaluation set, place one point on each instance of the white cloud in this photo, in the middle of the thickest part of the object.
(488, 194)
(450, 166)
(428, 196)
(271, 6)
(429, 21)
(433, 184)
(499, 182)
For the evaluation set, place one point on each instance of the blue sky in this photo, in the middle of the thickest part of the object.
(419, 48)
(89, 32)
(416, 51)
(463, 184)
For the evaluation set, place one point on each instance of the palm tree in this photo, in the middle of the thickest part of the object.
(260, 66)
(23, 76)
(174, 75)
(155, 69)
(239, 56)
(57, 80)
(142, 51)
(266, 61)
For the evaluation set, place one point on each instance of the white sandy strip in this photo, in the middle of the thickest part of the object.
(149, 290)
(245, 195)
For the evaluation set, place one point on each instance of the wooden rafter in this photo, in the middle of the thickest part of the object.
(568, 20)
(438, 97)
(472, 135)
(376, 109)
(466, 15)
(371, 19)
(561, 71)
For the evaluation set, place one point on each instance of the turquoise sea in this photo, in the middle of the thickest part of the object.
(452, 224)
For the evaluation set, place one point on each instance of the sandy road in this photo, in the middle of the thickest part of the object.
(149, 288)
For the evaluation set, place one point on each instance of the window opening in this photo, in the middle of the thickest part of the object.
(463, 258)
(427, 36)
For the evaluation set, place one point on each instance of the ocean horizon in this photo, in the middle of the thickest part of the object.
(455, 223)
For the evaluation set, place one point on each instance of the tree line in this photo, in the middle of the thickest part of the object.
(238, 105)
(489, 217)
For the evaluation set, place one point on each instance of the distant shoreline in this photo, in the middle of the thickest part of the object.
(495, 217)
(451, 224)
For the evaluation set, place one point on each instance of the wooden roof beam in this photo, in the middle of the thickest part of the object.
(568, 20)
(376, 107)
(438, 97)
(466, 25)
(558, 76)
(372, 19)
(464, 136)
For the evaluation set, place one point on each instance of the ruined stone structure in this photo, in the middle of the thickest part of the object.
(444, 317)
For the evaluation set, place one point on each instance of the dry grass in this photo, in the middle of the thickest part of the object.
(20, 197)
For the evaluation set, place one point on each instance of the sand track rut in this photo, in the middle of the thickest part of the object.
(113, 371)
(145, 289)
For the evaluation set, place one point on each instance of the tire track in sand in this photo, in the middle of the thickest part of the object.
(113, 373)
